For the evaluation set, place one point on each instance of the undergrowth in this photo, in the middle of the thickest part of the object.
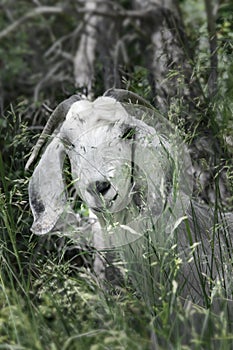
(49, 301)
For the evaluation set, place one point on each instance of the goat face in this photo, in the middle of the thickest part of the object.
(107, 155)
(115, 158)
(101, 160)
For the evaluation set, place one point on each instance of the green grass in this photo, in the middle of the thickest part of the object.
(47, 302)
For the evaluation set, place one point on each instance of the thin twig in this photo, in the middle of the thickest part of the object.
(30, 14)
(211, 22)
(48, 76)
(64, 38)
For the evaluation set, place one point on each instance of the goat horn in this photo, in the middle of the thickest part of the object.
(55, 119)
(122, 95)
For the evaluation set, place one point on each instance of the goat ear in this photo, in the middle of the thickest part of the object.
(122, 95)
(166, 164)
(46, 188)
(147, 155)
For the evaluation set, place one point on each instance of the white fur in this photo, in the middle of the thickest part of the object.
(141, 210)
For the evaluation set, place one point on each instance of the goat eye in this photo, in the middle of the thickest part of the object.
(68, 144)
(128, 133)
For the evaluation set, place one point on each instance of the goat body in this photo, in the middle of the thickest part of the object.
(136, 181)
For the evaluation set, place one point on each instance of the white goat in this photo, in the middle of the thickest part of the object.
(134, 179)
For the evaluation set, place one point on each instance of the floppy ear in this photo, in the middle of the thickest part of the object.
(46, 188)
(151, 167)
(164, 161)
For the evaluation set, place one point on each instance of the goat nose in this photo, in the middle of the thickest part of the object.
(99, 187)
(102, 187)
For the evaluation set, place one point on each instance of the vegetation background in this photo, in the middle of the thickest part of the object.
(178, 55)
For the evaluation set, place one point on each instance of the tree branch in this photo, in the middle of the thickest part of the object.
(121, 13)
(30, 14)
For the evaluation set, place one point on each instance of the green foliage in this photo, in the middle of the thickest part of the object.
(45, 301)
(49, 303)
(13, 139)
(225, 52)
(138, 82)
(24, 64)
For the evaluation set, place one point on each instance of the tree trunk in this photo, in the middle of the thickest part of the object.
(158, 28)
(98, 40)
(178, 94)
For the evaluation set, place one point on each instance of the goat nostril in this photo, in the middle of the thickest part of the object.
(99, 187)
(102, 187)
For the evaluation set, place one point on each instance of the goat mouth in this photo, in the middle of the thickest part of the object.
(98, 210)
(105, 208)
(113, 199)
